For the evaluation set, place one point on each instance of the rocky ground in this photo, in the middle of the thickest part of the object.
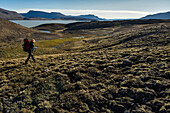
(121, 71)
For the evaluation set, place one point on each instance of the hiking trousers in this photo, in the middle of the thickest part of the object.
(30, 55)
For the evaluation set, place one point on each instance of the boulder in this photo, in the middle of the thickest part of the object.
(127, 63)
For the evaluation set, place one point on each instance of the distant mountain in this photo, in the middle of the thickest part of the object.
(165, 15)
(90, 16)
(41, 14)
(57, 15)
(10, 15)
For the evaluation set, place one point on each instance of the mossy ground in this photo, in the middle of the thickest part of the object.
(122, 71)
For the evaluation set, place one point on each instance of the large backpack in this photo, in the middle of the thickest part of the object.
(26, 45)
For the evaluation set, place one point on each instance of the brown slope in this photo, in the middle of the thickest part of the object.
(149, 33)
(10, 15)
(10, 31)
(106, 24)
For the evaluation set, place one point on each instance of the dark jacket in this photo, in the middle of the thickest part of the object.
(31, 45)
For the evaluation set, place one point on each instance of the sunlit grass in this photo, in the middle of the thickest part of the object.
(15, 50)
(53, 43)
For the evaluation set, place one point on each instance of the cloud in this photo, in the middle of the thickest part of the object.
(108, 14)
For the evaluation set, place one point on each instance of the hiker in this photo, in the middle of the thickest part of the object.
(29, 49)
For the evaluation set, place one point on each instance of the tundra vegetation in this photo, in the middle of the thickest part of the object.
(118, 67)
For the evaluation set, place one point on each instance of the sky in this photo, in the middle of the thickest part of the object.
(109, 9)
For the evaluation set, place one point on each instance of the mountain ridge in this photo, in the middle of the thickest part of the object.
(33, 14)
(164, 15)
(58, 15)
(42, 15)
(5, 14)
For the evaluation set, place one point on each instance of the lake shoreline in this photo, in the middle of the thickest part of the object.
(34, 23)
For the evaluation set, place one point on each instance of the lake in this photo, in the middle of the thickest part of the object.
(33, 23)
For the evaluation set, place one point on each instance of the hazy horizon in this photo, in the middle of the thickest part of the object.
(109, 9)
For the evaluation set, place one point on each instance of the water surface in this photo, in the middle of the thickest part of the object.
(33, 23)
(45, 31)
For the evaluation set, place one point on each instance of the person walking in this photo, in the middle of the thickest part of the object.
(30, 51)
